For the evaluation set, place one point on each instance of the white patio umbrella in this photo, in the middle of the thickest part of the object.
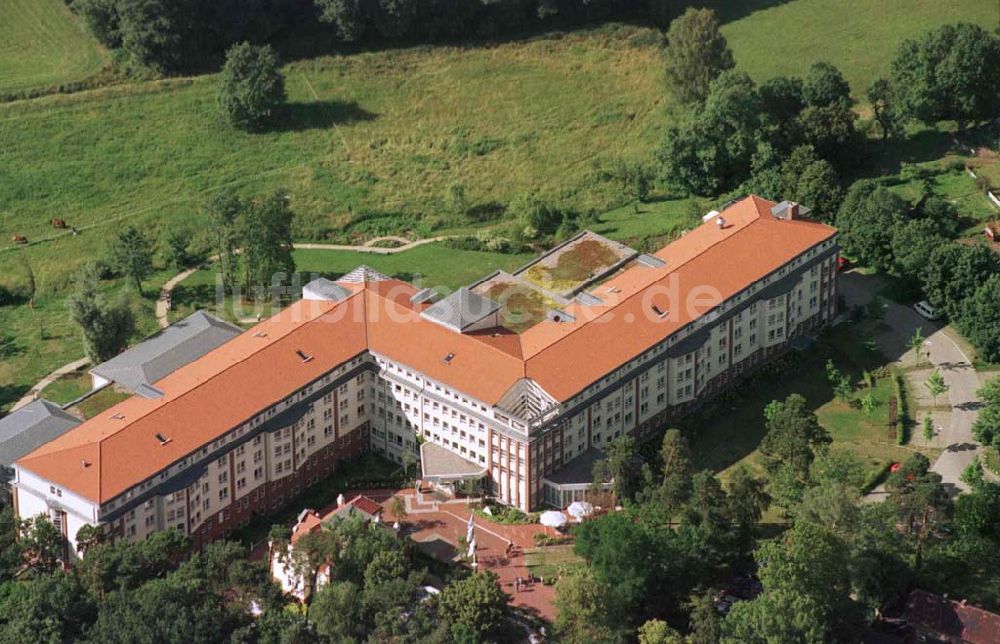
(579, 509)
(552, 519)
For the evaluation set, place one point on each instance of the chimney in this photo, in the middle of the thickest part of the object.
(720, 222)
(792, 211)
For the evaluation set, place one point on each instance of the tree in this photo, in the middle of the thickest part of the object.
(657, 631)
(347, 15)
(824, 85)
(587, 610)
(868, 403)
(105, 324)
(866, 219)
(677, 470)
(623, 466)
(950, 73)
(781, 102)
(920, 500)
(714, 150)
(52, 608)
(793, 433)
(746, 503)
(978, 321)
(337, 611)
(916, 343)
(953, 274)
(617, 550)
(87, 537)
(310, 553)
(830, 130)
(886, 113)
(815, 184)
(704, 624)
(131, 254)
(476, 602)
(397, 509)
(266, 234)
(101, 18)
(696, 54)
(222, 226)
(174, 241)
(936, 385)
(252, 86)
(986, 429)
(41, 545)
(928, 428)
(157, 33)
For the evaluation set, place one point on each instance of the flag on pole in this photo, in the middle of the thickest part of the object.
(470, 531)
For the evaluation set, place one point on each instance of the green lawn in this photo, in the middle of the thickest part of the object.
(101, 401)
(68, 388)
(549, 561)
(860, 37)
(727, 434)
(42, 44)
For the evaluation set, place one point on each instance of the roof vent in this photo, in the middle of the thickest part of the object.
(303, 355)
(163, 439)
(118, 416)
(84, 464)
(448, 358)
(260, 334)
(720, 221)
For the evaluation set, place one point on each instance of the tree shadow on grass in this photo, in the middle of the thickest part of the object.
(319, 115)
(9, 394)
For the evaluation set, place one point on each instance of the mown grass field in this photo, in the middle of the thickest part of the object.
(773, 38)
(42, 44)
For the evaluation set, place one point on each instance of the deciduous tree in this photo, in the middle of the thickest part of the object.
(476, 602)
(696, 54)
(130, 253)
(105, 324)
(950, 73)
(252, 86)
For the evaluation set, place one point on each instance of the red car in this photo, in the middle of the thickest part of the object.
(842, 264)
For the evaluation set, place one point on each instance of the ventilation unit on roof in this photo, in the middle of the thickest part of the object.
(720, 221)
(163, 439)
(711, 214)
(448, 358)
(303, 355)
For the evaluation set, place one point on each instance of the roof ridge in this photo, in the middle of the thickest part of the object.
(102, 436)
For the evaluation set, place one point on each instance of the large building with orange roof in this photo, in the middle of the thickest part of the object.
(513, 382)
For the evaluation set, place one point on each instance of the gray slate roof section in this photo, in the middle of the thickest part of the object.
(461, 309)
(651, 261)
(326, 289)
(30, 427)
(159, 355)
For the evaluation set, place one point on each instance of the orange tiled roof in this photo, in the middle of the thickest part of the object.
(117, 449)
(112, 452)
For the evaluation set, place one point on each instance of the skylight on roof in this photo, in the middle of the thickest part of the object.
(448, 358)
(303, 355)
(163, 439)
(660, 312)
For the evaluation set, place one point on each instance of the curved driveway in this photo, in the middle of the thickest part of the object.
(944, 354)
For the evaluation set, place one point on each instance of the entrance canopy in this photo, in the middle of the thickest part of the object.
(440, 465)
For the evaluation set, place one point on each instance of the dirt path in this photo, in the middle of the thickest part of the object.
(64, 370)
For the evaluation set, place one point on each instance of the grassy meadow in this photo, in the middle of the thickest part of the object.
(774, 38)
(43, 44)
(374, 141)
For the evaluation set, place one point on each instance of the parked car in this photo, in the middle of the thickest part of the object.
(926, 310)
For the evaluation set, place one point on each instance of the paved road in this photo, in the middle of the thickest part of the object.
(948, 357)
